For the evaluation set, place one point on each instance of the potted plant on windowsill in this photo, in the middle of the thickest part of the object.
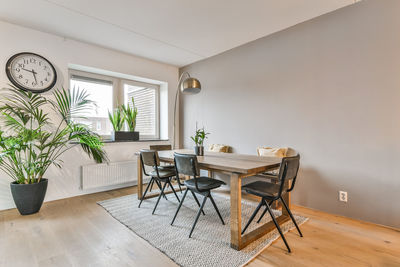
(198, 139)
(31, 141)
(117, 120)
(122, 114)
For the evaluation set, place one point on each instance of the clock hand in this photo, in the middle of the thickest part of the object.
(34, 75)
(27, 70)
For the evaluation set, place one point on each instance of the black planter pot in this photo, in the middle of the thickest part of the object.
(126, 136)
(199, 150)
(29, 197)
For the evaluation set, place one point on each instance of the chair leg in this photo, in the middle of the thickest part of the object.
(252, 216)
(277, 226)
(291, 216)
(159, 197)
(179, 207)
(151, 185)
(198, 214)
(173, 190)
(216, 208)
(197, 201)
(180, 188)
(177, 181)
(159, 186)
(262, 215)
(145, 191)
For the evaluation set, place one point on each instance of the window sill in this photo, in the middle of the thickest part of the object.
(129, 141)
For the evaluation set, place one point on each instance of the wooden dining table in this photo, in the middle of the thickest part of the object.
(238, 167)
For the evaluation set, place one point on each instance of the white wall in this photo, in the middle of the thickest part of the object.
(330, 88)
(61, 52)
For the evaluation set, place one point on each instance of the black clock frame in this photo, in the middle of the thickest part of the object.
(10, 77)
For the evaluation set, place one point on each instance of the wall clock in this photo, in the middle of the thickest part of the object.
(31, 72)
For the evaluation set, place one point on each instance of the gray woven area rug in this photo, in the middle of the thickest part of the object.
(210, 242)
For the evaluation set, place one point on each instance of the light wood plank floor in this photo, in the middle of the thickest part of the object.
(78, 232)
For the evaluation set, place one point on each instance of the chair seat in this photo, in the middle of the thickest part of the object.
(262, 189)
(204, 183)
(167, 168)
(163, 173)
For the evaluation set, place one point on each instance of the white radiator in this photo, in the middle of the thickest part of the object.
(113, 173)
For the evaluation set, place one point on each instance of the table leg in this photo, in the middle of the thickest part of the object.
(139, 178)
(236, 211)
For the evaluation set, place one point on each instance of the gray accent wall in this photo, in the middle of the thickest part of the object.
(329, 88)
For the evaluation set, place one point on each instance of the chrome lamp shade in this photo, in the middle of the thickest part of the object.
(190, 86)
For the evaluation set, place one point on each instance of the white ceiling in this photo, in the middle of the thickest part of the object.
(177, 32)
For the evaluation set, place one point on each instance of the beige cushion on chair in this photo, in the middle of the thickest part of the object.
(279, 152)
(218, 148)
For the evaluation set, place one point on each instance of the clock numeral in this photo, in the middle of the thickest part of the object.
(32, 60)
(40, 63)
(46, 79)
(20, 76)
(17, 69)
(21, 65)
(45, 67)
(42, 83)
(26, 61)
(26, 81)
(48, 73)
(34, 84)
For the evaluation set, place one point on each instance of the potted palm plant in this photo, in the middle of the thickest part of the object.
(31, 141)
(198, 139)
(122, 114)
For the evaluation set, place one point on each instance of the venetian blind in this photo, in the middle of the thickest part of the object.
(146, 103)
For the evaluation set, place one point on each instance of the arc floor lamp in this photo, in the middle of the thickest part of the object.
(188, 86)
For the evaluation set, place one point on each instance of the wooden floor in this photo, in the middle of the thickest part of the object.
(78, 232)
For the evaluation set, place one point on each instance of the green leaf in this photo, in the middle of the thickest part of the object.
(130, 114)
(117, 119)
(199, 137)
(31, 143)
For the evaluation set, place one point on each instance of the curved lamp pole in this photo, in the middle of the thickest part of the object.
(189, 86)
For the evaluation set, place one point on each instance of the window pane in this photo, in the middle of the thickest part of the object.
(145, 101)
(100, 92)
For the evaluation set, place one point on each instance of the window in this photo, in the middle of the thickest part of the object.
(109, 92)
(146, 100)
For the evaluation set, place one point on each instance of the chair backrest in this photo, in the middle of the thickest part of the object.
(149, 157)
(288, 172)
(160, 147)
(186, 164)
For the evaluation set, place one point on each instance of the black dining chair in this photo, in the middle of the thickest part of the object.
(163, 167)
(158, 176)
(271, 192)
(187, 165)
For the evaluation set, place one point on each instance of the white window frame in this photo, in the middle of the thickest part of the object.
(118, 95)
(156, 87)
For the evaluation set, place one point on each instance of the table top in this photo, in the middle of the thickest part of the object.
(229, 162)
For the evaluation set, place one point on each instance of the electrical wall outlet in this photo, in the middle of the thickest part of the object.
(343, 196)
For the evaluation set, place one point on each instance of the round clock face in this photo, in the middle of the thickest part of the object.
(31, 72)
